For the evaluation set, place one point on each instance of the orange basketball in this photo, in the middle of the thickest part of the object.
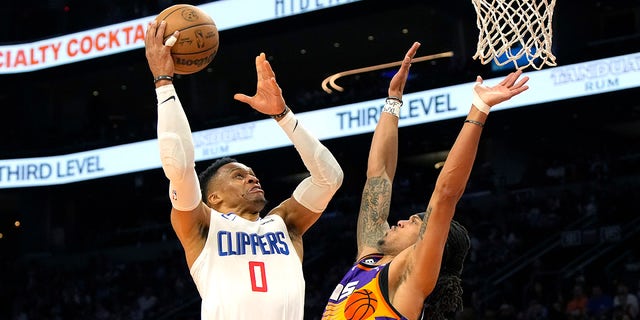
(198, 42)
(360, 305)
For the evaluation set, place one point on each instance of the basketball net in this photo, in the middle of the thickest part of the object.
(517, 31)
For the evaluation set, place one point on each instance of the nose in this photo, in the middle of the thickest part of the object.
(253, 179)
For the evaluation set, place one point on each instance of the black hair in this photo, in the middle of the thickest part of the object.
(207, 175)
(446, 297)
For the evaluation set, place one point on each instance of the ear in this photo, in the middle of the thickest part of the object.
(214, 199)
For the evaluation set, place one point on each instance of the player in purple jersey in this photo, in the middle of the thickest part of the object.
(412, 270)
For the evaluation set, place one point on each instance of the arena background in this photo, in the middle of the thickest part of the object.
(551, 204)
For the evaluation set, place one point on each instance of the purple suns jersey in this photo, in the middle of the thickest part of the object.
(249, 270)
(362, 293)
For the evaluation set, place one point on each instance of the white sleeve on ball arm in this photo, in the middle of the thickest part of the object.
(177, 151)
(315, 191)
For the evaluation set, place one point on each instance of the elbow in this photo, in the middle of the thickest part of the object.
(448, 192)
(377, 171)
(315, 194)
(176, 161)
(338, 179)
(451, 184)
(330, 173)
(331, 179)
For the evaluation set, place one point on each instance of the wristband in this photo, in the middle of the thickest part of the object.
(474, 122)
(162, 77)
(394, 98)
(479, 103)
(282, 114)
(392, 105)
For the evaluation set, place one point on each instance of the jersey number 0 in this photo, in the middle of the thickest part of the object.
(258, 276)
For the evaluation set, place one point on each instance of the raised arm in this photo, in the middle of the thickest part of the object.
(382, 162)
(312, 195)
(450, 186)
(188, 214)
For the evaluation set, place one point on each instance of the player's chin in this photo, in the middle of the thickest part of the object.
(258, 199)
(256, 205)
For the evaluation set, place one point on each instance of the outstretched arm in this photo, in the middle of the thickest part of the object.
(313, 194)
(449, 188)
(382, 162)
(188, 214)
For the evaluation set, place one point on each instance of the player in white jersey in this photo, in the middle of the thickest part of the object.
(244, 266)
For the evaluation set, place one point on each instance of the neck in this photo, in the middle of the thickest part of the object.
(254, 216)
(386, 259)
(250, 215)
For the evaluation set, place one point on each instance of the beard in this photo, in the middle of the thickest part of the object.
(388, 246)
(381, 245)
(258, 203)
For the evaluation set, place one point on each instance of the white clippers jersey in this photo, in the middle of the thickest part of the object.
(249, 270)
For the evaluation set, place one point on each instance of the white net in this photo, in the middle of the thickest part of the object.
(515, 31)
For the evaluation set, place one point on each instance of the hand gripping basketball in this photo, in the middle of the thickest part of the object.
(171, 41)
(196, 44)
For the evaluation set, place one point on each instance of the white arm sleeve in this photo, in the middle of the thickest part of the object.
(176, 150)
(316, 191)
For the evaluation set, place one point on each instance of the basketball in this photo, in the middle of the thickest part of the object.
(360, 305)
(198, 41)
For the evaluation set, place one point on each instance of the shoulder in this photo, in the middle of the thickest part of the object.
(296, 217)
(200, 215)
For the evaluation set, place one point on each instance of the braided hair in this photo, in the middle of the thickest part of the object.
(446, 298)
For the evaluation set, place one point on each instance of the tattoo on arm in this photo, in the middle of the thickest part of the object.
(423, 227)
(374, 211)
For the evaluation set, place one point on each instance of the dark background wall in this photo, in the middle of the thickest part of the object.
(551, 200)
